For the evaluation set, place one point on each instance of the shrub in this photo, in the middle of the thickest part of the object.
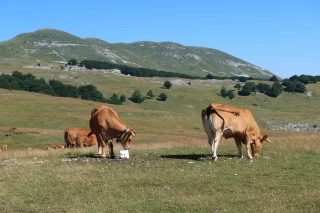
(136, 97)
(150, 94)
(167, 84)
(231, 94)
(223, 92)
(163, 97)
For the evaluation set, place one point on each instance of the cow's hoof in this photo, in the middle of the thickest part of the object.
(215, 158)
(113, 156)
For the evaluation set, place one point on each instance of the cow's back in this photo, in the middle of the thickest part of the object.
(103, 117)
(234, 123)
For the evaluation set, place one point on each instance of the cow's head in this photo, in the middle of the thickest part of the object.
(126, 138)
(257, 143)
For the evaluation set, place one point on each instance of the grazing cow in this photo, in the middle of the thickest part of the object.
(71, 135)
(106, 125)
(10, 130)
(4, 147)
(230, 122)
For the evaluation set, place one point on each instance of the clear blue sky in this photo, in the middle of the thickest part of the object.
(282, 36)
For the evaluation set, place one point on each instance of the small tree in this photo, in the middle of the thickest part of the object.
(137, 97)
(73, 62)
(274, 78)
(238, 86)
(167, 84)
(150, 94)
(223, 92)
(122, 98)
(163, 97)
(231, 94)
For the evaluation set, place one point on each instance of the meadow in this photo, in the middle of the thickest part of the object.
(169, 169)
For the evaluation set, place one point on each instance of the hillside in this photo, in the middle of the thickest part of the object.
(50, 46)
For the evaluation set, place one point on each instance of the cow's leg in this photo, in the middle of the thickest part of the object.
(239, 145)
(214, 145)
(100, 141)
(110, 143)
(248, 143)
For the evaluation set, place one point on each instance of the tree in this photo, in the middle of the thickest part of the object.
(247, 89)
(136, 97)
(275, 90)
(90, 92)
(122, 98)
(290, 86)
(274, 78)
(263, 88)
(150, 94)
(231, 94)
(73, 62)
(304, 79)
(223, 92)
(163, 97)
(300, 87)
(167, 84)
(238, 86)
(243, 79)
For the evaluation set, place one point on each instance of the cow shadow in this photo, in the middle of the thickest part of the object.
(196, 157)
(87, 155)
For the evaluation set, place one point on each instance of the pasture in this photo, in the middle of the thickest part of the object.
(169, 169)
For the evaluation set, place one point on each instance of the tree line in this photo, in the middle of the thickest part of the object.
(28, 82)
(292, 84)
(146, 72)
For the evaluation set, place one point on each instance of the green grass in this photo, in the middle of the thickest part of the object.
(180, 179)
(169, 169)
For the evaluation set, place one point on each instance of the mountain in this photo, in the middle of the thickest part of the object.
(52, 46)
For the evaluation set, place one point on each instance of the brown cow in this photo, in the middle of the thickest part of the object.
(84, 140)
(230, 122)
(4, 147)
(13, 128)
(106, 125)
(71, 135)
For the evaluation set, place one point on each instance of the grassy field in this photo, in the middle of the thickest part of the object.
(169, 169)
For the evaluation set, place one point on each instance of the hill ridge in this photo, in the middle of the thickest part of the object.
(49, 45)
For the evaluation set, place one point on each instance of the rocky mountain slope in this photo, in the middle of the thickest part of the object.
(54, 46)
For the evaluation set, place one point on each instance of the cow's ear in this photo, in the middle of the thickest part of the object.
(265, 137)
(133, 133)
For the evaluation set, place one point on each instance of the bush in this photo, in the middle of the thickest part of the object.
(90, 92)
(231, 94)
(122, 98)
(136, 97)
(223, 92)
(163, 97)
(274, 78)
(150, 94)
(73, 62)
(238, 86)
(167, 84)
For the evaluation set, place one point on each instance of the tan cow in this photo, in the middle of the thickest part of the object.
(84, 140)
(71, 135)
(4, 147)
(106, 125)
(13, 128)
(230, 122)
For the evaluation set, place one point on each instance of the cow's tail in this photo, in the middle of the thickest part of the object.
(211, 109)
